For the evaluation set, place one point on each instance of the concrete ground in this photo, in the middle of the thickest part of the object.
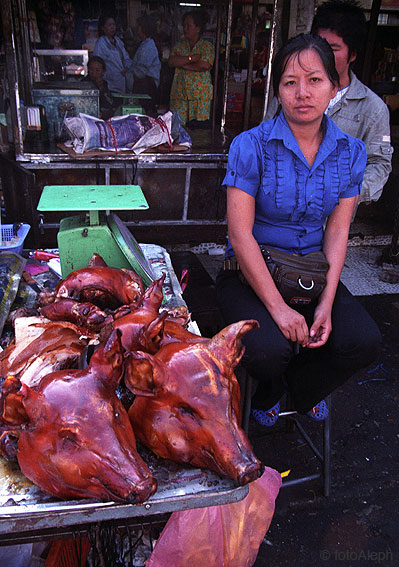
(357, 525)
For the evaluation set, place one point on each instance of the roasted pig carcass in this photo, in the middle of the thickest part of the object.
(76, 440)
(102, 285)
(57, 347)
(84, 314)
(187, 405)
(146, 329)
(142, 327)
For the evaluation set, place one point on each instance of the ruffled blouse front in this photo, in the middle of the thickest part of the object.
(292, 199)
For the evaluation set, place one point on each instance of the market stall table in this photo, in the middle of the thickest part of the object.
(27, 514)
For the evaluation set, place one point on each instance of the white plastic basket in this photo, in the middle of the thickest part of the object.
(7, 235)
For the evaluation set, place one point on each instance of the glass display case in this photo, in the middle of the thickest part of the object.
(59, 64)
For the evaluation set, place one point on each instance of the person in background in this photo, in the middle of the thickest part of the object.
(192, 57)
(111, 49)
(355, 109)
(292, 184)
(96, 69)
(146, 66)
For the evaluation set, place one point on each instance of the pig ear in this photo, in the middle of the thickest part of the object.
(140, 371)
(153, 294)
(12, 402)
(108, 358)
(152, 333)
(227, 346)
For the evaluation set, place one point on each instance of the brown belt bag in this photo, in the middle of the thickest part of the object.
(299, 278)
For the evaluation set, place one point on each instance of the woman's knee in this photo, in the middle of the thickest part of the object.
(361, 348)
(266, 357)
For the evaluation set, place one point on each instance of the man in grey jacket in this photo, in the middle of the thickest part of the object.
(355, 109)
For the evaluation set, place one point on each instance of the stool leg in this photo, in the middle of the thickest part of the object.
(327, 449)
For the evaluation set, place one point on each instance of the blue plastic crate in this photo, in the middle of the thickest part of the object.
(7, 234)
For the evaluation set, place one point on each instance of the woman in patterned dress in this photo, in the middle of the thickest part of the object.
(192, 57)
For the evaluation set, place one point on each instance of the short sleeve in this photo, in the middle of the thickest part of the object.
(358, 165)
(207, 52)
(179, 49)
(244, 165)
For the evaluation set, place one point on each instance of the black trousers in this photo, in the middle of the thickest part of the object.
(311, 374)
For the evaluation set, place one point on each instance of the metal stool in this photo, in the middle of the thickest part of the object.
(324, 456)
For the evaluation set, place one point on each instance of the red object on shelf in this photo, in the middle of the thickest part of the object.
(235, 102)
(44, 256)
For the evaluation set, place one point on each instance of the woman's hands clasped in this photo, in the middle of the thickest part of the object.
(294, 327)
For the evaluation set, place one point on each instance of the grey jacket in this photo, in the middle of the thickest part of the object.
(363, 114)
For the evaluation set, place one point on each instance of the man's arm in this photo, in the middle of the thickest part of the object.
(272, 109)
(379, 156)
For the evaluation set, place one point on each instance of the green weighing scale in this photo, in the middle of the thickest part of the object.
(131, 103)
(99, 230)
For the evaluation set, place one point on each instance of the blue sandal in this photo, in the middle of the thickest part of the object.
(319, 412)
(266, 418)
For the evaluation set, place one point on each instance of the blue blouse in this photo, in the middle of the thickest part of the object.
(292, 199)
(116, 59)
(146, 62)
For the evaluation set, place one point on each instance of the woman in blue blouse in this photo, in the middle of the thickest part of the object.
(146, 65)
(292, 183)
(111, 49)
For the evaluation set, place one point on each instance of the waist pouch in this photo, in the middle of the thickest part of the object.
(299, 278)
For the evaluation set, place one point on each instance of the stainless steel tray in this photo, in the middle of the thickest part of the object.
(25, 508)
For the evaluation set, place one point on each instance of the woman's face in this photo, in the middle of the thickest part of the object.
(191, 31)
(109, 27)
(305, 88)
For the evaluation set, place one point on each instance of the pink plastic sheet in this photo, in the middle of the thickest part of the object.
(221, 536)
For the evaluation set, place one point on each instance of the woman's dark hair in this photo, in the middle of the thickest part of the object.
(97, 59)
(101, 22)
(344, 17)
(295, 46)
(148, 25)
(200, 19)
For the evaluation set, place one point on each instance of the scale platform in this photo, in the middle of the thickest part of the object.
(98, 230)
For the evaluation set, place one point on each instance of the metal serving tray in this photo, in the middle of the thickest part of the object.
(25, 508)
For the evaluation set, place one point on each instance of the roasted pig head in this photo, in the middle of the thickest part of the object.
(146, 329)
(77, 441)
(102, 285)
(187, 405)
(58, 347)
(142, 328)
